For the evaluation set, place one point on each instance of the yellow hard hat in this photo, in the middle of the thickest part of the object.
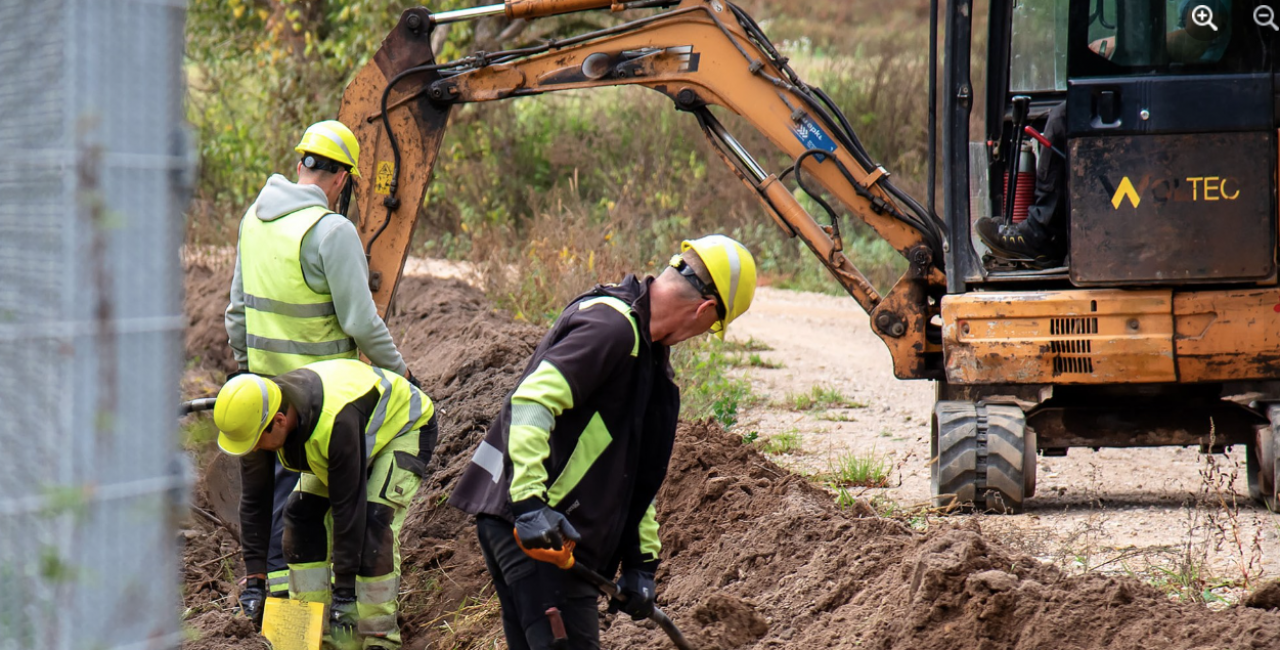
(244, 407)
(333, 140)
(733, 274)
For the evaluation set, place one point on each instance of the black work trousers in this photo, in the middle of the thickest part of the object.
(527, 588)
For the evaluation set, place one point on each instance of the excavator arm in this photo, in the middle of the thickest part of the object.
(699, 53)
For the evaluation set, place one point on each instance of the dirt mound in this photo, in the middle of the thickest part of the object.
(754, 557)
(758, 558)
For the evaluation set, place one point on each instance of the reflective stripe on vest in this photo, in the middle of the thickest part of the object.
(401, 408)
(288, 324)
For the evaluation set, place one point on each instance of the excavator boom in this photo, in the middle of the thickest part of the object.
(700, 54)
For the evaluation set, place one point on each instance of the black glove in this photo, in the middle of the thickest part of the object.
(253, 598)
(237, 373)
(544, 528)
(342, 613)
(413, 381)
(638, 590)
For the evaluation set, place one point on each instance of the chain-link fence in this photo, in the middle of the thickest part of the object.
(93, 171)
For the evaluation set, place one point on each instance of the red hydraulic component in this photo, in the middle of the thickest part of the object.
(1026, 182)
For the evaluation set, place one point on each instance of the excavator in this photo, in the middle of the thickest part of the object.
(1161, 327)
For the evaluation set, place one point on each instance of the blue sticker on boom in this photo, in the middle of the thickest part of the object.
(813, 137)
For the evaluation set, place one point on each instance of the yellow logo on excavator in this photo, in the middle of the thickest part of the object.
(1125, 191)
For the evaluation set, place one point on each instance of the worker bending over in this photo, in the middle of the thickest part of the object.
(361, 438)
(300, 291)
(582, 444)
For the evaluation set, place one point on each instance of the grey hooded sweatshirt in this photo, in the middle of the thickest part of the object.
(333, 262)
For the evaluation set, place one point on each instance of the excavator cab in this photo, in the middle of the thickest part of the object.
(1161, 325)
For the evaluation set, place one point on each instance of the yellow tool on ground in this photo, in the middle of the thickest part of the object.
(293, 624)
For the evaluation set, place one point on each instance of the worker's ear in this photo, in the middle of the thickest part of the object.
(706, 306)
(279, 421)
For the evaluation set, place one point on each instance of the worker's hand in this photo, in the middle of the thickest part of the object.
(253, 597)
(408, 375)
(636, 590)
(544, 528)
(342, 613)
(1104, 47)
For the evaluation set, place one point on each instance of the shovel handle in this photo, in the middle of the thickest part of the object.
(660, 617)
(610, 589)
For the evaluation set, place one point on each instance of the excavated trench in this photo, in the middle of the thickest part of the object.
(753, 556)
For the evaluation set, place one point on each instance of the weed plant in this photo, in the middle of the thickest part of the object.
(783, 443)
(819, 397)
(852, 469)
(754, 360)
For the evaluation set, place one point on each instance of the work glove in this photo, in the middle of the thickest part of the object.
(637, 591)
(253, 598)
(544, 528)
(342, 614)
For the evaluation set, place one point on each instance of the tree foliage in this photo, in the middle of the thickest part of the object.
(260, 71)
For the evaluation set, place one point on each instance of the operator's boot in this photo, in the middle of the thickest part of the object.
(1021, 242)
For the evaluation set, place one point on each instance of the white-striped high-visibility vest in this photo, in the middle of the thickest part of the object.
(287, 324)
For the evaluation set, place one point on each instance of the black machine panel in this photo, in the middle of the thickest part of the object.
(1169, 209)
(1170, 104)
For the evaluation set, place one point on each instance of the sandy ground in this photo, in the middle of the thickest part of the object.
(1114, 510)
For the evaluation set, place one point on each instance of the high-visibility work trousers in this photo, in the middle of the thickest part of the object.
(308, 544)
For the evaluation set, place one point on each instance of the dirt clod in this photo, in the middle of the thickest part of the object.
(1266, 597)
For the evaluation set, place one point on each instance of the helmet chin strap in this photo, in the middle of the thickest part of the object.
(344, 199)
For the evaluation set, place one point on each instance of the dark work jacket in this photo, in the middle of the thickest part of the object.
(302, 389)
(638, 403)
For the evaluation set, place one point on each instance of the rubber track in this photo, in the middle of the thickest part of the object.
(978, 456)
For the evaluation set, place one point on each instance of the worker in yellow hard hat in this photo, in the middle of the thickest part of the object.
(581, 446)
(361, 437)
(300, 290)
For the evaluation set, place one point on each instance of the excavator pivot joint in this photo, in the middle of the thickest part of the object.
(687, 100)
(891, 324)
(921, 256)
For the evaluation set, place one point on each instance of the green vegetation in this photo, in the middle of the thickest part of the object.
(749, 345)
(754, 360)
(820, 397)
(859, 470)
(835, 416)
(706, 390)
(197, 432)
(782, 443)
(552, 194)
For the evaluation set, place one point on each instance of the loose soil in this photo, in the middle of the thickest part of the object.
(755, 556)
(1119, 511)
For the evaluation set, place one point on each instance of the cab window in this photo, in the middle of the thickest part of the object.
(1115, 37)
(1038, 47)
